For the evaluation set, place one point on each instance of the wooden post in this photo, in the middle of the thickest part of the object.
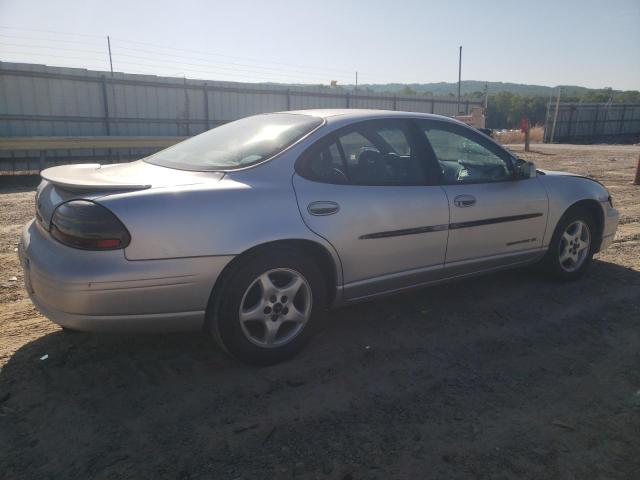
(621, 127)
(187, 116)
(205, 96)
(555, 116)
(637, 180)
(105, 103)
(524, 128)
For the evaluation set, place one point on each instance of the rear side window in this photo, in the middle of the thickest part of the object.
(371, 153)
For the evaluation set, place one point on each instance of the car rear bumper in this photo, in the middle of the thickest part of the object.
(103, 291)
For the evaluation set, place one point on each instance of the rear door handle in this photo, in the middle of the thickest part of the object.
(323, 208)
(464, 201)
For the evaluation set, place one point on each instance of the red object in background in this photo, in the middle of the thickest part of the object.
(524, 124)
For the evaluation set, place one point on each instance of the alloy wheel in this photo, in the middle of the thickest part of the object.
(574, 247)
(275, 308)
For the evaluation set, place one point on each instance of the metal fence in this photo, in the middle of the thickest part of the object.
(593, 123)
(38, 100)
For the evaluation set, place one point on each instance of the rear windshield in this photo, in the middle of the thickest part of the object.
(237, 144)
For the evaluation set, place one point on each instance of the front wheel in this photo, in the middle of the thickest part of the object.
(267, 308)
(572, 246)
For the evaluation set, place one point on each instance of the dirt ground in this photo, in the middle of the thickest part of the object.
(507, 376)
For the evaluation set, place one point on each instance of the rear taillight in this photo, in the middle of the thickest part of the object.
(89, 226)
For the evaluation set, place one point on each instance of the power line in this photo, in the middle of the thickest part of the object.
(51, 31)
(245, 74)
(234, 65)
(200, 68)
(232, 57)
(164, 55)
(19, 45)
(208, 71)
(102, 60)
(209, 67)
(231, 68)
(261, 67)
(59, 40)
(262, 61)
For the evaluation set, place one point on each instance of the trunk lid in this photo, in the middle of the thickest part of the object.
(91, 181)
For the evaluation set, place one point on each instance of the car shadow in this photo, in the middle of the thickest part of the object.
(109, 394)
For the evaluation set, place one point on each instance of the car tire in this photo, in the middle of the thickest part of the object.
(568, 258)
(244, 314)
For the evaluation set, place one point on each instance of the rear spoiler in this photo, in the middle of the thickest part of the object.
(87, 177)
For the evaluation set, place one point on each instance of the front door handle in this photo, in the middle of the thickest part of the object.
(323, 208)
(464, 201)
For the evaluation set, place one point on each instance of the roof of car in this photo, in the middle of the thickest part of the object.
(361, 113)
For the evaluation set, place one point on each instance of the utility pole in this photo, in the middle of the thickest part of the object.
(110, 59)
(555, 115)
(113, 90)
(356, 80)
(459, 77)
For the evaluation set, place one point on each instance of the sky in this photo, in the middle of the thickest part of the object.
(589, 43)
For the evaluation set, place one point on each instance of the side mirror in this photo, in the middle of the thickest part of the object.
(525, 170)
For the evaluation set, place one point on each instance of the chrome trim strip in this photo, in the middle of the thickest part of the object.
(490, 221)
(405, 231)
(519, 242)
(451, 226)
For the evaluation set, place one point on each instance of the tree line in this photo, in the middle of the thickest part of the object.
(505, 109)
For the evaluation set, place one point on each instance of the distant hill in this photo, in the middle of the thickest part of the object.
(470, 86)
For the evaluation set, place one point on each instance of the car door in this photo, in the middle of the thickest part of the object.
(495, 218)
(367, 190)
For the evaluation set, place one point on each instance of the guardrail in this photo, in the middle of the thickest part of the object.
(44, 145)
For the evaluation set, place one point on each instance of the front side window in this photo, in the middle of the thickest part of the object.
(237, 144)
(373, 153)
(463, 159)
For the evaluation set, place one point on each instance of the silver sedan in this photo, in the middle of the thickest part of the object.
(250, 230)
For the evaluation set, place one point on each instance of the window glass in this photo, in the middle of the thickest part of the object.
(374, 153)
(464, 160)
(326, 165)
(382, 153)
(396, 139)
(354, 144)
(237, 144)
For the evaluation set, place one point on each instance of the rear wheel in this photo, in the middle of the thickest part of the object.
(572, 246)
(267, 307)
